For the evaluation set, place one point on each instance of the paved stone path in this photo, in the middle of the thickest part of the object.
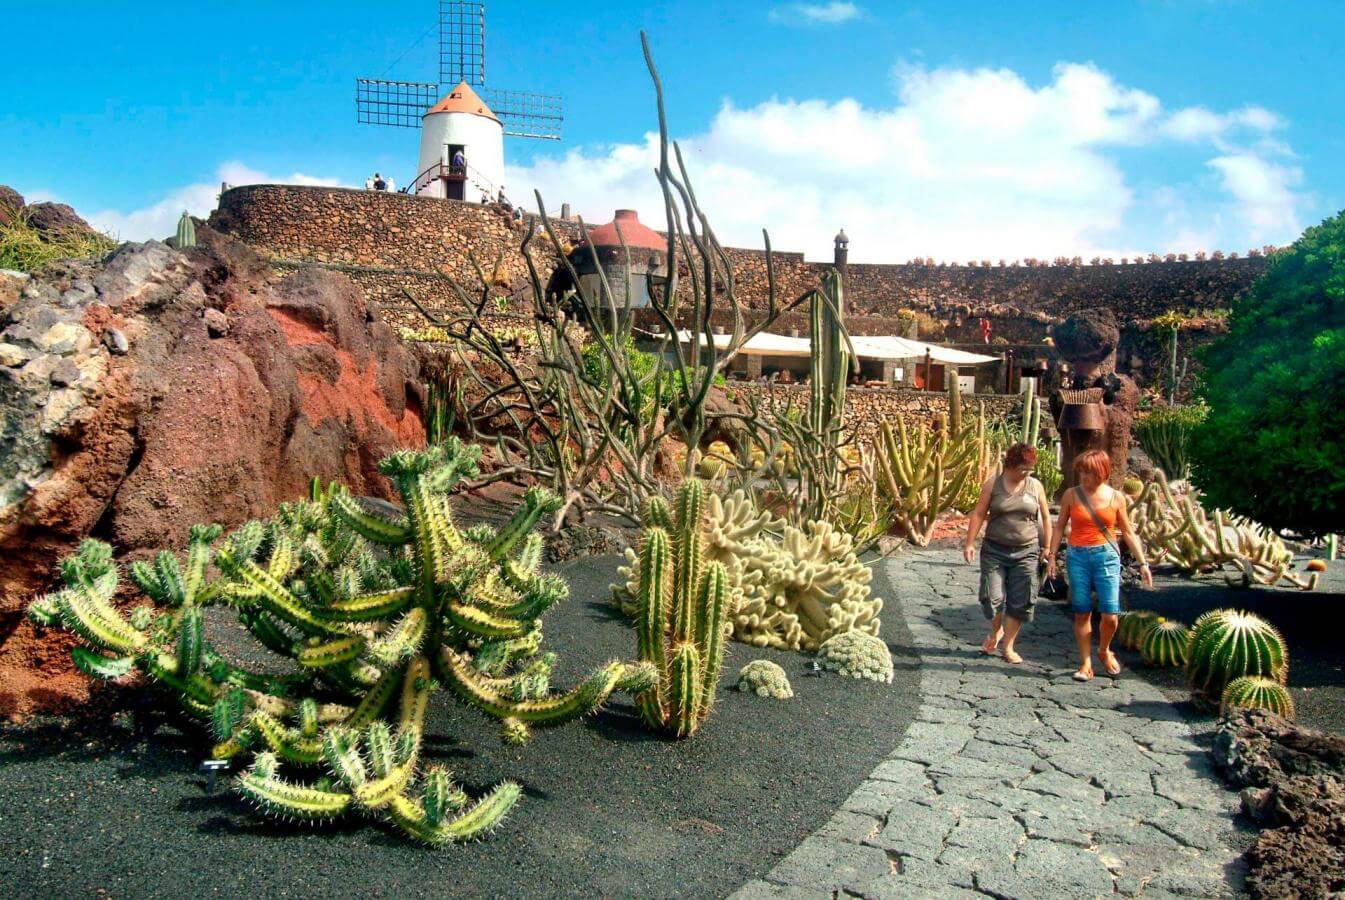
(1016, 781)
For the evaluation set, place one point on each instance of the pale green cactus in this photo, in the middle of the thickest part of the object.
(922, 474)
(186, 232)
(683, 605)
(371, 612)
(765, 679)
(856, 654)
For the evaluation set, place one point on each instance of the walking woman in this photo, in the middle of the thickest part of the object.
(1092, 512)
(1011, 506)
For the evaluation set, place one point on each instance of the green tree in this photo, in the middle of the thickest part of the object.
(1273, 446)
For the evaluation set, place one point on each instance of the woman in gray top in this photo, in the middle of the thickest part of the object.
(1017, 521)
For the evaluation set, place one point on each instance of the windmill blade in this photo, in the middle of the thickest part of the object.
(528, 115)
(398, 103)
(462, 43)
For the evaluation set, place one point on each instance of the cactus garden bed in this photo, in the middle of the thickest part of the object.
(608, 806)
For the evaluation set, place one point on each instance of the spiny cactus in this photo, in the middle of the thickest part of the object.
(1177, 529)
(1229, 644)
(1255, 692)
(922, 475)
(371, 611)
(1031, 415)
(186, 231)
(765, 679)
(683, 604)
(1130, 630)
(1165, 643)
(857, 655)
(830, 364)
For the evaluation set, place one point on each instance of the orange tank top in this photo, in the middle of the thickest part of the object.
(1083, 531)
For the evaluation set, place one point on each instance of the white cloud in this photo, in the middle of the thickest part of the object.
(833, 13)
(159, 219)
(964, 164)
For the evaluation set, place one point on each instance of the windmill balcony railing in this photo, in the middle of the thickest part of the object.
(445, 172)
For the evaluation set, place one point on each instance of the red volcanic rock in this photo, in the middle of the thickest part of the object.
(184, 427)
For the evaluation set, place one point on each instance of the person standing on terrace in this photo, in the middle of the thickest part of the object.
(1015, 512)
(1091, 512)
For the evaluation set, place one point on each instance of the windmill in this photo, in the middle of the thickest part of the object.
(462, 121)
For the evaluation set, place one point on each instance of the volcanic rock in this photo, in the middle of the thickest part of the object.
(11, 201)
(53, 218)
(134, 423)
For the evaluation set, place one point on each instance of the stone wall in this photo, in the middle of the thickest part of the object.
(867, 408)
(391, 243)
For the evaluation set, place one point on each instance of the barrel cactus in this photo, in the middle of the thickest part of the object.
(372, 613)
(765, 679)
(1132, 626)
(1228, 644)
(1255, 692)
(186, 231)
(857, 654)
(1165, 643)
(683, 606)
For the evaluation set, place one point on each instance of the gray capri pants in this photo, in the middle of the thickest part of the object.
(1008, 580)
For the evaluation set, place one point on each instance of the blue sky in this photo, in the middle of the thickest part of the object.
(952, 129)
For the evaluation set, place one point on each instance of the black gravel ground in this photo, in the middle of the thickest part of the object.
(609, 809)
(1310, 621)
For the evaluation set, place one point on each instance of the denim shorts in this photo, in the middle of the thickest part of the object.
(1094, 569)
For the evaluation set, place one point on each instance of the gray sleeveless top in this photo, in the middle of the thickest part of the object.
(1013, 517)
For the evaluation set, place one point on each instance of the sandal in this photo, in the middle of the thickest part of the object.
(1011, 657)
(1114, 666)
(987, 648)
(1081, 675)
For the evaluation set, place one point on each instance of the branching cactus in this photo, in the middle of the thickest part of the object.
(683, 606)
(1176, 529)
(921, 475)
(371, 612)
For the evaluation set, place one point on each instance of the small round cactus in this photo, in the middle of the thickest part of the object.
(1132, 628)
(1228, 644)
(765, 679)
(1165, 643)
(858, 655)
(1255, 692)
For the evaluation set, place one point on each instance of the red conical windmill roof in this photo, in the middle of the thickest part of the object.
(637, 235)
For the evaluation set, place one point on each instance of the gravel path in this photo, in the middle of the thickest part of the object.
(1015, 781)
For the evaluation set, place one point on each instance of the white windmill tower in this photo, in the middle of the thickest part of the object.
(463, 124)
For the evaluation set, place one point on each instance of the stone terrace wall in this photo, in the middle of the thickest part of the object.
(867, 408)
(389, 241)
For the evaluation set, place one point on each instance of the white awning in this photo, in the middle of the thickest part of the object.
(866, 347)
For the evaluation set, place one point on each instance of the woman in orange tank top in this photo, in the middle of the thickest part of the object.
(1094, 560)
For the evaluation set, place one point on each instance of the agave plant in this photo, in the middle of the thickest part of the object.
(372, 612)
(1229, 644)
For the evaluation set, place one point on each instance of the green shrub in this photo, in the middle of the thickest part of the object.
(1164, 433)
(1275, 384)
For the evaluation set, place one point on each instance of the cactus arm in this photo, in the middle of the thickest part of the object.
(370, 607)
(536, 503)
(367, 525)
(99, 666)
(285, 800)
(79, 611)
(330, 653)
(274, 596)
(191, 638)
(685, 696)
(488, 813)
(588, 697)
(477, 621)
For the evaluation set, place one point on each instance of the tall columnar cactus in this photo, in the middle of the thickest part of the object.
(683, 607)
(830, 366)
(186, 232)
(1031, 415)
(371, 611)
(1229, 644)
(921, 475)
(1176, 529)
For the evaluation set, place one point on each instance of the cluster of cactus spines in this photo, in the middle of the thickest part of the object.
(1176, 529)
(830, 365)
(921, 475)
(1130, 629)
(683, 604)
(1229, 644)
(371, 611)
(1165, 644)
(856, 654)
(1255, 692)
(765, 679)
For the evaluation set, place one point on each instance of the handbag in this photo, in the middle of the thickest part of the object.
(1053, 587)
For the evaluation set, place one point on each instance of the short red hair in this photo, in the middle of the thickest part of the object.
(1095, 462)
(1018, 454)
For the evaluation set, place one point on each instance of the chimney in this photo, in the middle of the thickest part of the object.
(565, 211)
(842, 251)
